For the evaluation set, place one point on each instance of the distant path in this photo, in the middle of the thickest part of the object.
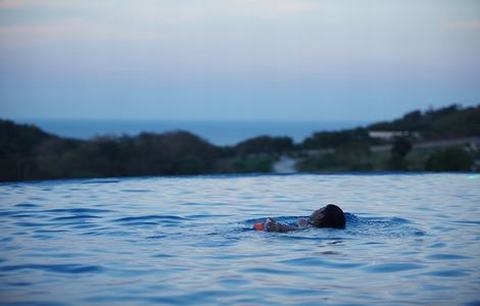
(285, 164)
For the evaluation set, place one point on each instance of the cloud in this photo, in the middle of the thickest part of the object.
(28, 4)
(278, 6)
(73, 29)
(193, 9)
(12, 4)
(141, 20)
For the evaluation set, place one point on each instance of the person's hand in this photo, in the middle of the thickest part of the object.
(271, 225)
(302, 222)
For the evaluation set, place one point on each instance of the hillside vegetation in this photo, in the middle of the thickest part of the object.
(27, 152)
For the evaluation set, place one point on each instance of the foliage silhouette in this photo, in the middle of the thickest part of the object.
(449, 159)
(27, 152)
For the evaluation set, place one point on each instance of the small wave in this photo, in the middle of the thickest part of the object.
(77, 210)
(151, 217)
(136, 190)
(201, 216)
(332, 240)
(7, 213)
(269, 271)
(61, 268)
(83, 225)
(157, 237)
(22, 215)
(352, 219)
(162, 255)
(447, 257)
(50, 231)
(316, 261)
(393, 267)
(76, 217)
(140, 223)
(33, 198)
(18, 284)
(386, 227)
(448, 273)
(26, 205)
(32, 224)
(474, 222)
(100, 181)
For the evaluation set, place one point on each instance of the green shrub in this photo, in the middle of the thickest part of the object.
(450, 159)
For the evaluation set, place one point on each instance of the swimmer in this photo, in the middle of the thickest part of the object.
(327, 216)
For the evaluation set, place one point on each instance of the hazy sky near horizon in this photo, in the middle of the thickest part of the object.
(236, 59)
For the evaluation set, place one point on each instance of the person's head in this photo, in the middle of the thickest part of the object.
(328, 216)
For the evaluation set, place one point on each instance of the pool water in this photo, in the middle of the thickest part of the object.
(410, 239)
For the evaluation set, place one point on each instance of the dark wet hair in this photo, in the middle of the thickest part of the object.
(328, 216)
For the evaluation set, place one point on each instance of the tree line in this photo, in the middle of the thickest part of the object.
(27, 152)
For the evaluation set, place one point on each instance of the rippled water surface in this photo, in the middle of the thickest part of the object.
(410, 239)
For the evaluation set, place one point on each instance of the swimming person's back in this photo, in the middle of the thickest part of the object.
(330, 216)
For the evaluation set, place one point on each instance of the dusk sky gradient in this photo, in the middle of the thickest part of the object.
(236, 59)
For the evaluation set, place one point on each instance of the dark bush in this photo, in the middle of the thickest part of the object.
(447, 122)
(20, 139)
(399, 150)
(450, 159)
(353, 156)
(29, 153)
(401, 147)
(323, 140)
(264, 145)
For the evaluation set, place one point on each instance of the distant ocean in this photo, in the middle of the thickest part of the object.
(220, 132)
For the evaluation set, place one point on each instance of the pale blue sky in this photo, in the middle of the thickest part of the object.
(236, 59)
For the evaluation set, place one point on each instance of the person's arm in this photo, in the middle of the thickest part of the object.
(273, 226)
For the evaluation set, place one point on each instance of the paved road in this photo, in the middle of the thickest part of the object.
(285, 165)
